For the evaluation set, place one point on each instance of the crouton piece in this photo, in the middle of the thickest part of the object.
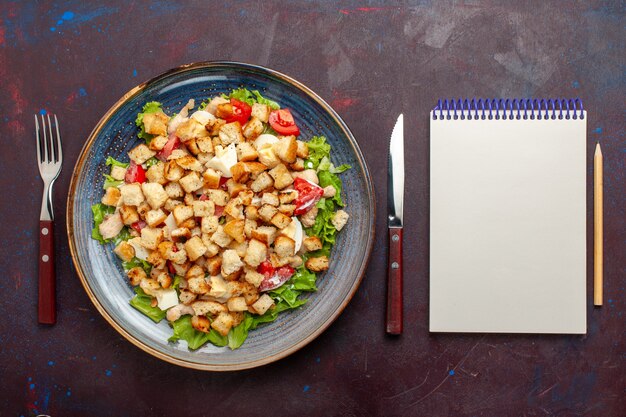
(177, 256)
(266, 212)
(265, 234)
(262, 182)
(278, 261)
(191, 182)
(287, 197)
(203, 208)
(140, 154)
(203, 308)
(240, 172)
(190, 163)
(295, 261)
(118, 173)
(157, 261)
(156, 173)
(213, 266)
(308, 218)
(256, 168)
(286, 149)
(264, 303)
(282, 177)
(198, 285)
(252, 213)
(209, 224)
(240, 247)
(249, 293)
(155, 194)
(212, 248)
(219, 197)
(234, 208)
(182, 213)
(312, 243)
(125, 251)
(172, 171)
(157, 143)
(261, 112)
(308, 174)
(174, 190)
(211, 178)
(151, 237)
(238, 317)
(155, 123)
(284, 246)
(234, 229)
(339, 219)
(246, 152)
(254, 278)
(237, 304)
(214, 127)
(221, 238)
(234, 188)
(287, 209)
(131, 194)
(204, 157)
(302, 150)
(271, 199)
(248, 227)
(298, 165)
(317, 264)
(180, 232)
(194, 271)
(195, 248)
(205, 145)
(268, 157)
(143, 209)
(149, 286)
(231, 133)
(280, 220)
(129, 215)
(224, 110)
(231, 262)
(246, 197)
(171, 203)
(191, 129)
(165, 248)
(223, 323)
(256, 253)
(215, 101)
(253, 128)
(192, 146)
(136, 275)
(111, 196)
(164, 280)
(180, 268)
(187, 297)
(111, 226)
(201, 324)
(329, 191)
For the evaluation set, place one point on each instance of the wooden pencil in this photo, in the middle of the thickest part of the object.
(597, 227)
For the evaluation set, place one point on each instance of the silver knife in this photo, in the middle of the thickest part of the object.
(395, 205)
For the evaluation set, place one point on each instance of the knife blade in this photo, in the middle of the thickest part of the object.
(395, 206)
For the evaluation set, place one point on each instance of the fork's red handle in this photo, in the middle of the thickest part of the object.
(47, 304)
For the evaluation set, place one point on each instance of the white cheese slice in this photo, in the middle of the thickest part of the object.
(170, 222)
(203, 116)
(140, 252)
(264, 141)
(294, 231)
(166, 298)
(224, 159)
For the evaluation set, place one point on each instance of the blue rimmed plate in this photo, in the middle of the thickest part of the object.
(100, 271)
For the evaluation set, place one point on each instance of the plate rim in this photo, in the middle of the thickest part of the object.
(151, 350)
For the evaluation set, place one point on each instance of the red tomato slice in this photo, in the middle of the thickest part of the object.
(277, 278)
(223, 181)
(283, 123)
(219, 210)
(308, 195)
(135, 173)
(138, 225)
(241, 112)
(170, 267)
(172, 143)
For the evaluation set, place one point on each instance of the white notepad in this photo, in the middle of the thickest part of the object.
(508, 217)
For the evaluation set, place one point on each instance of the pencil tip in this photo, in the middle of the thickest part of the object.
(598, 149)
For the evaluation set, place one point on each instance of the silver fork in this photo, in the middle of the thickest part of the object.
(49, 159)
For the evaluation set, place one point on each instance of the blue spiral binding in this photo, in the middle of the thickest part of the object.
(508, 109)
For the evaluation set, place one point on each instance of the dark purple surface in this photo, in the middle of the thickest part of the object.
(77, 58)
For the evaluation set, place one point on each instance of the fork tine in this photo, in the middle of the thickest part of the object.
(38, 140)
(45, 140)
(59, 147)
(52, 143)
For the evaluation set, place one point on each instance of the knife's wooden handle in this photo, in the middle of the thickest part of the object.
(47, 305)
(394, 282)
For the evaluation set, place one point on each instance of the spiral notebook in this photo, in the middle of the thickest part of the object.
(508, 216)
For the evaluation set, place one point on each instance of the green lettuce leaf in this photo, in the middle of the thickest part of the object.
(99, 212)
(124, 235)
(145, 265)
(328, 178)
(109, 181)
(113, 162)
(152, 161)
(318, 149)
(251, 97)
(151, 107)
(142, 302)
(194, 338)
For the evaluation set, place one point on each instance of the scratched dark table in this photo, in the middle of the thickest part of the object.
(371, 61)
